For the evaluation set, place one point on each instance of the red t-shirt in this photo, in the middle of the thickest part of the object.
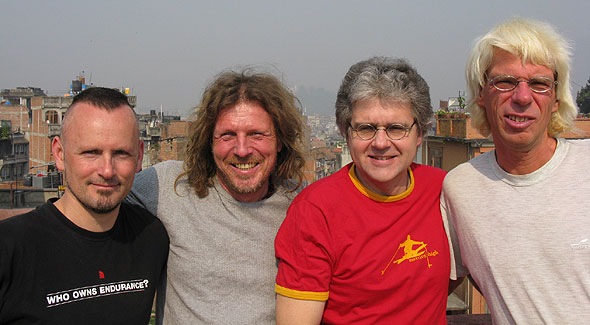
(373, 259)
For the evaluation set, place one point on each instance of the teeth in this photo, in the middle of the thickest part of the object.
(245, 166)
(381, 158)
(517, 118)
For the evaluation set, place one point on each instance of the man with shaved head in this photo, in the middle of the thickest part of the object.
(86, 257)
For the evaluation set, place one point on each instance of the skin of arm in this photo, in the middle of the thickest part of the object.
(292, 311)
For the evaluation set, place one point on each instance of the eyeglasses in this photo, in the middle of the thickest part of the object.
(536, 84)
(394, 131)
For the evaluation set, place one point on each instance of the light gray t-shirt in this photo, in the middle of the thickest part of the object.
(221, 266)
(525, 239)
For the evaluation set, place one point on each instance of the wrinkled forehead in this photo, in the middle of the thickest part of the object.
(538, 57)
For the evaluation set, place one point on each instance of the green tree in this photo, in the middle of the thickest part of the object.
(4, 132)
(583, 99)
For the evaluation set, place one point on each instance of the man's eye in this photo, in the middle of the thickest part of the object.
(540, 84)
(396, 127)
(505, 83)
(226, 136)
(365, 128)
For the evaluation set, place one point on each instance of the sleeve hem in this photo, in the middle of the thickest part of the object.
(303, 295)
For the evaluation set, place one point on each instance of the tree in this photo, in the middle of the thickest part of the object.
(583, 99)
(4, 132)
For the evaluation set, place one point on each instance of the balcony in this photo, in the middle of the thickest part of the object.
(456, 126)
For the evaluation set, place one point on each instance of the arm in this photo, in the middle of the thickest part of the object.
(297, 311)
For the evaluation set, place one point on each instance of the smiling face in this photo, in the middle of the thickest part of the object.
(245, 150)
(382, 163)
(518, 118)
(99, 152)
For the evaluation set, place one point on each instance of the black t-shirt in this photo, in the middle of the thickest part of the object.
(54, 272)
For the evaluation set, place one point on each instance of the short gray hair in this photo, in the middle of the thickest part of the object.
(383, 78)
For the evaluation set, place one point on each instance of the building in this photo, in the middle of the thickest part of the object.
(164, 137)
(14, 152)
(47, 113)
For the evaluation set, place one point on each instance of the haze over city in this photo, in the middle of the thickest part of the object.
(167, 52)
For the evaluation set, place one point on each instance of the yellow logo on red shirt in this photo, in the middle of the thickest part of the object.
(413, 251)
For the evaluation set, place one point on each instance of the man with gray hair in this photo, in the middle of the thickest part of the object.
(519, 213)
(367, 244)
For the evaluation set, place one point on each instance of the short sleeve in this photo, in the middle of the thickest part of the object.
(458, 270)
(304, 251)
(144, 191)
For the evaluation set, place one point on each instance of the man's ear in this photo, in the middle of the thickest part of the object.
(58, 152)
(140, 156)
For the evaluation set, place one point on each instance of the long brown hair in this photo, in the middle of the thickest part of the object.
(230, 88)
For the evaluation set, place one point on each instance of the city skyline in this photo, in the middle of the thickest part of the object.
(168, 52)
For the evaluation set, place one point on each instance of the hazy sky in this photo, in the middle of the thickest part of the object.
(167, 51)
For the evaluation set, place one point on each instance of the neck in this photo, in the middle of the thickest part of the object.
(397, 187)
(521, 162)
(84, 218)
(263, 192)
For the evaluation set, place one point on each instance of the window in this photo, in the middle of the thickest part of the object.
(51, 117)
(435, 157)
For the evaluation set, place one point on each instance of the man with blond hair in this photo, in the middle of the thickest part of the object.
(519, 214)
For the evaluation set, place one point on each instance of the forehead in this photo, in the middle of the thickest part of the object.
(244, 115)
(88, 125)
(375, 110)
(505, 62)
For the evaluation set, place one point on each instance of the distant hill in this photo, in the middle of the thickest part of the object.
(317, 101)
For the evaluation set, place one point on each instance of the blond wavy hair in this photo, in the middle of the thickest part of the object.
(534, 42)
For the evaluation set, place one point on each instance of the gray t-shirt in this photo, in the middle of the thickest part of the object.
(221, 266)
(525, 238)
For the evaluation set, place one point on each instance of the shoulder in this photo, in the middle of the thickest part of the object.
(480, 165)
(169, 166)
(139, 218)
(427, 172)
(35, 221)
(581, 145)
(331, 183)
(163, 170)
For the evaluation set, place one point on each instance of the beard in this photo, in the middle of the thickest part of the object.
(103, 204)
(232, 185)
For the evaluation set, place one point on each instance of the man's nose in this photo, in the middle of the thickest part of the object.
(106, 168)
(522, 94)
(381, 140)
(243, 148)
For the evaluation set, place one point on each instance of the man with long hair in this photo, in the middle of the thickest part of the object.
(223, 205)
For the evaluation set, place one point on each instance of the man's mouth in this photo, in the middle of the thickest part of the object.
(518, 118)
(382, 157)
(245, 166)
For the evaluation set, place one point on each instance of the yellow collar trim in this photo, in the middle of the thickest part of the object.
(377, 197)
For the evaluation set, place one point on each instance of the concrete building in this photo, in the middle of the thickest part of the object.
(164, 137)
(47, 113)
